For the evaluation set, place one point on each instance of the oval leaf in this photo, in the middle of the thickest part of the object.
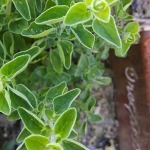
(85, 37)
(17, 26)
(63, 102)
(33, 52)
(107, 31)
(65, 52)
(78, 13)
(65, 123)
(5, 102)
(32, 123)
(52, 15)
(19, 100)
(15, 66)
(36, 142)
(54, 146)
(37, 31)
(30, 96)
(73, 145)
(56, 62)
(55, 91)
(23, 8)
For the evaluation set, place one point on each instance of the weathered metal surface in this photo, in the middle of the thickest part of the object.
(132, 85)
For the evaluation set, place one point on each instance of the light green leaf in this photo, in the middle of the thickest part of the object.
(21, 147)
(1, 86)
(111, 2)
(48, 114)
(107, 31)
(52, 15)
(17, 26)
(65, 52)
(54, 146)
(55, 91)
(37, 31)
(88, 2)
(65, 123)
(63, 102)
(23, 134)
(85, 37)
(36, 142)
(73, 145)
(15, 66)
(32, 123)
(33, 52)
(101, 10)
(5, 102)
(56, 62)
(19, 100)
(30, 96)
(77, 14)
(23, 8)
(132, 27)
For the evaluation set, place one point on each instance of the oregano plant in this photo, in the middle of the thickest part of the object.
(51, 54)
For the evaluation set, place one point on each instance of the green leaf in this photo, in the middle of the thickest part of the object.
(23, 8)
(94, 117)
(102, 80)
(38, 5)
(1, 86)
(33, 52)
(111, 2)
(63, 102)
(5, 102)
(13, 115)
(30, 96)
(32, 123)
(49, 4)
(37, 31)
(15, 66)
(19, 100)
(56, 62)
(107, 31)
(23, 134)
(54, 146)
(85, 37)
(132, 27)
(65, 123)
(2, 51)
(73, 145)
(88, 2)
(21, 147)
(48, 114)
(64, 2)
(101, 10)
(90, 103)
(32, 8)
(73, 134)
(82, 65)
(55, 91)
(52, 15)
(77, 14)
(65, 52)
(36, 142)
(8, 42)
(17, 26)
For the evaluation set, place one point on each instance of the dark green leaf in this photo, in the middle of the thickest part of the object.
(23, 8)
(32, 123)
(23, 134)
